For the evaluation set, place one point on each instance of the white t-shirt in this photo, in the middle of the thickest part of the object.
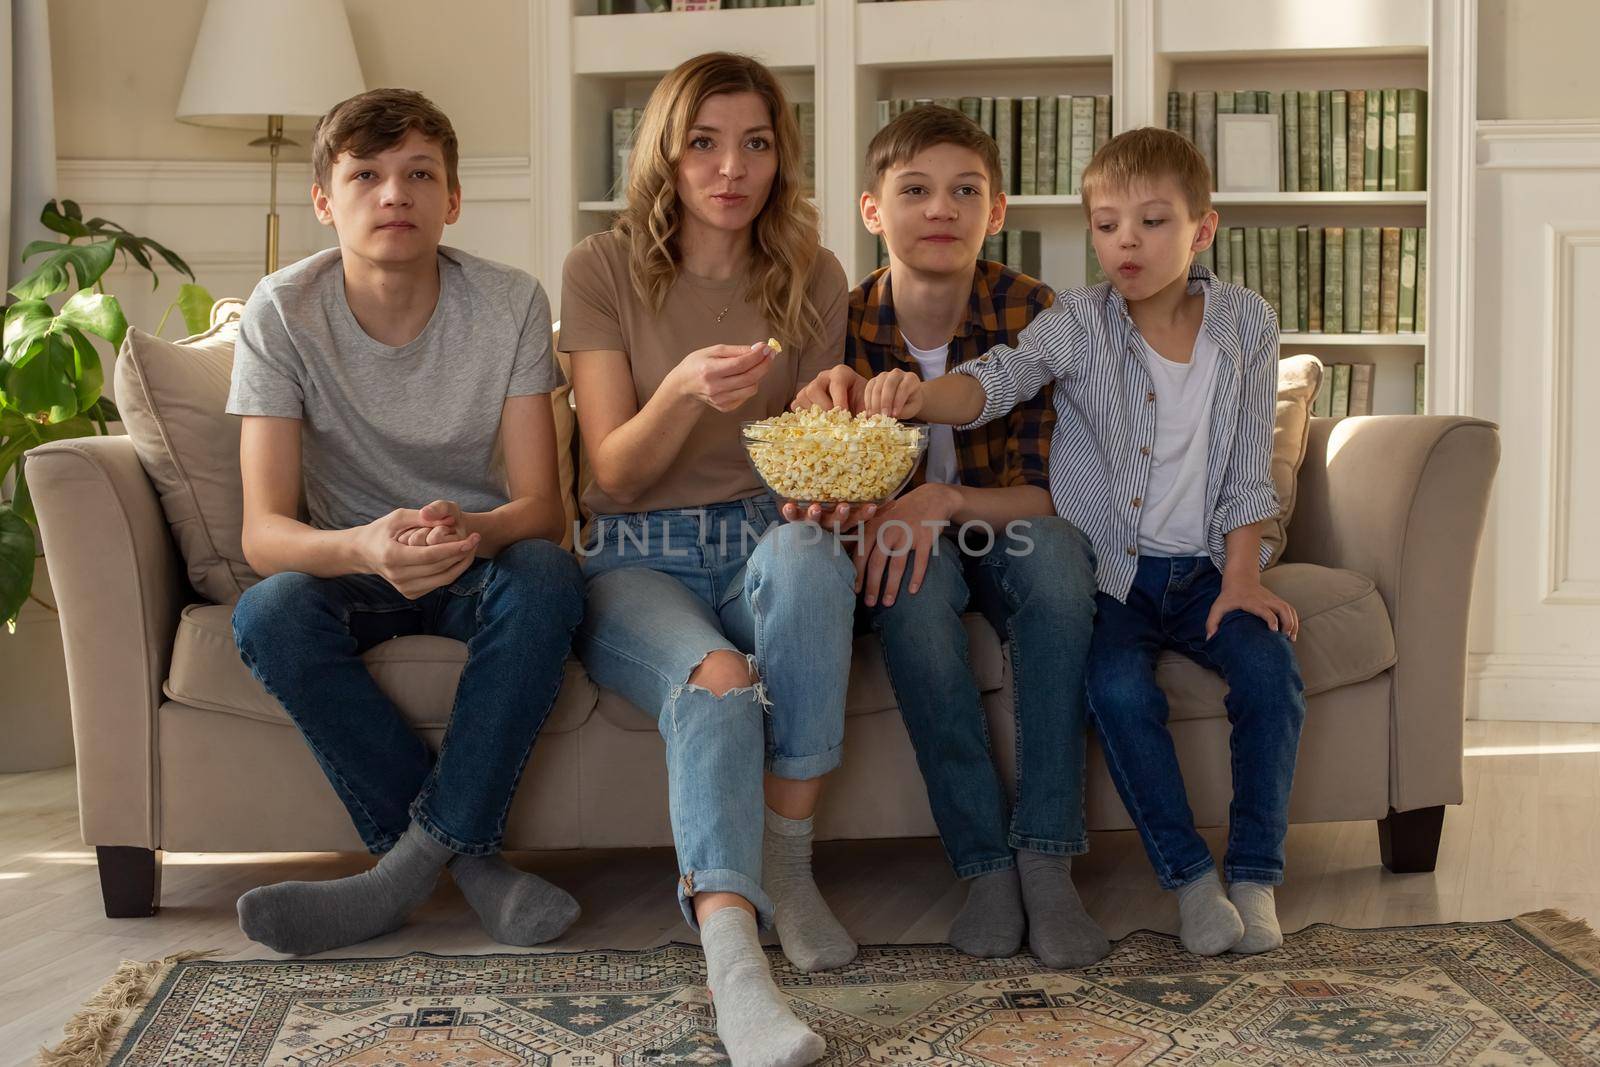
(1172, 519)
(941, 439)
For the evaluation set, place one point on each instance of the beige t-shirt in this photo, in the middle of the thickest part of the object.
(600, 312)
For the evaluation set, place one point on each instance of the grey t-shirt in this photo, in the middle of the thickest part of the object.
(384, 427)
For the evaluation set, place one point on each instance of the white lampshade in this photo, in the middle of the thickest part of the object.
(255, 58)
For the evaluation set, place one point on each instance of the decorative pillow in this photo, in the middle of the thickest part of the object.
(172, 397)
(1298, 379)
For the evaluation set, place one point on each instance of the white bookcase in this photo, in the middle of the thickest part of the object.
(844, 55)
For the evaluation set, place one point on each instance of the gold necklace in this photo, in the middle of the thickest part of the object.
(707, 304)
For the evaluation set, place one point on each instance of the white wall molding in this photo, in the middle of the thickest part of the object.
(1565, 243)
(1533, 688)
(1510, 144)
(105, 183)
(1452, 207)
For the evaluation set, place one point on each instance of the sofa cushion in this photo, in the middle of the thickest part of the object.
(870, 690)
(1298, 380)
(1345, 637)
(172, 396)
(418, 673)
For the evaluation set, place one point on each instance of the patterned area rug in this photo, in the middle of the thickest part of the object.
(1523, 991)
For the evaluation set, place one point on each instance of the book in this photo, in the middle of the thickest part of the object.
(1244, 102)
(1322, 402)
(1205, 129)
(1028, 146)
(986, 114)
(1421, 280)
(1063, 163)
(1173, 121)
(1360, 389)
(1092, 273)
(1045, 166)
(1352, 280)
(1309, 139)
(1419, 396)
(1411, 130)
(1339, 145)
(1225, 103)
(1270, 271)
(1102, 121)
(1314, 280)
(1224, 248)
(1288, 283)
(1371, 166)
(1238, 265)
(1371, 259)
(806, 117)
(1272, 104)
(622, 129)
(1325, 139)
(1207, 257)
(1356, 139)
(1389, 153)
(1186, 115)
(1333, 279)
(1389, 281)
(994, 248)
(972, 107)
(1082, 138)
(1252, 258)
(1339, 405)
(885, 112)
(1302, 277)
(1406, 318)
(1006, 110)
(1291, 141)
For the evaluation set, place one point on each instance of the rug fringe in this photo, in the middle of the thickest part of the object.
(1573, 938)
(92, 1034)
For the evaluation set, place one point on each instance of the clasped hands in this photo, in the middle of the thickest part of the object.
(418, 550)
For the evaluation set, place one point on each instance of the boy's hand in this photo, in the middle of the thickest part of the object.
(896, 393)
(412, 569)
(1248, 594)
(836, 387)
(722, 376)
(442, 522)
(906, 530)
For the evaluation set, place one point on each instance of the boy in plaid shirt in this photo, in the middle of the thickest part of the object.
(932, 181)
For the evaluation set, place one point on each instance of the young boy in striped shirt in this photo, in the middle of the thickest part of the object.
(1165, 385)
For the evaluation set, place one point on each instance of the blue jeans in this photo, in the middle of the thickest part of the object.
(1040, 599)
(668, 588)
(1167, 608)
(302, 637)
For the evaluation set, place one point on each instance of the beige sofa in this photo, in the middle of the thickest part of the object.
(179, 749)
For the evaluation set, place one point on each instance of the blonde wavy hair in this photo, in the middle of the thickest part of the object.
(786, 239)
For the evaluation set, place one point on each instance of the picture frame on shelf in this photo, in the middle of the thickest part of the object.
(1247, 153)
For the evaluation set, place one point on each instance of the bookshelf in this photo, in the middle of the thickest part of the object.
(845, 55)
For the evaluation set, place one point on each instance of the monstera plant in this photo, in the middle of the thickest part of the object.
(50, 372)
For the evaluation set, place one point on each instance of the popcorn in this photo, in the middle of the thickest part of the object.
(772, 343)
(833, 456)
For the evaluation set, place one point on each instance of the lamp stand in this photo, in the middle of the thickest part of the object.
(273, 140)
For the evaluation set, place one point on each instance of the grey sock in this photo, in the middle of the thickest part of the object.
(991, 922)
(1209, 924)
(1260, 915)
(753, 1019)
(1060, 931)
(812, 938)
(516, 907)
(300, 918)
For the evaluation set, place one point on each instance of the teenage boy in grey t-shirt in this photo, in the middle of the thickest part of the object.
(404, 388)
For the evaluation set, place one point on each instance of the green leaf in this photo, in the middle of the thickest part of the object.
(87, 376)
(104, 411)
(33, 248)
(97, 313)
(53, 219)
(89, 262)
(73, 211)
(44, 384)
(26, 322)
(174, 260)
(195, 303)
(16, 564)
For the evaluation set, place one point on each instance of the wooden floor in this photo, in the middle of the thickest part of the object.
(1527, 837)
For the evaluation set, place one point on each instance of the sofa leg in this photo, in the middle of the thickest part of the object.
(130, 880)
(1409, 840)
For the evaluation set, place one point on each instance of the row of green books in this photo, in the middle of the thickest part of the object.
(625, 121)
(1045, 141)
(638, 7)
(1338, 279)
(1346, 389)
(1333, 140)
(1017, 249)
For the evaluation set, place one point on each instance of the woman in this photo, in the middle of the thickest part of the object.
(732, 628)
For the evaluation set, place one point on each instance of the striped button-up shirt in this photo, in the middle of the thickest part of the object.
(1105, 404)
(1005, 453)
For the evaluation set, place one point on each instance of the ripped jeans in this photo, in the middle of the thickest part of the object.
(668, 588)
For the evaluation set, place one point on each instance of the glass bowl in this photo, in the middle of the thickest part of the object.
(833, 464)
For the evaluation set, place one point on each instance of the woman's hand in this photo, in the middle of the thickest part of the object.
(721, 376)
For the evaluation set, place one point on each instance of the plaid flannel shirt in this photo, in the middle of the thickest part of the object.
(1007, 452)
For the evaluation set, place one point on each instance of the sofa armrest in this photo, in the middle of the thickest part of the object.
(120, 587)
(1403, 499)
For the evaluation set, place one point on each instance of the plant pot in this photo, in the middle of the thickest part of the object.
(35, 717)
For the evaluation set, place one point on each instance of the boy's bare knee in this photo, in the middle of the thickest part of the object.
(723, 670)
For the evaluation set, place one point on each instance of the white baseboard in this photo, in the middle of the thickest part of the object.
(1537, 688)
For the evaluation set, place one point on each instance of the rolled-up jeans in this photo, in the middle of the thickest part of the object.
(668, 588)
